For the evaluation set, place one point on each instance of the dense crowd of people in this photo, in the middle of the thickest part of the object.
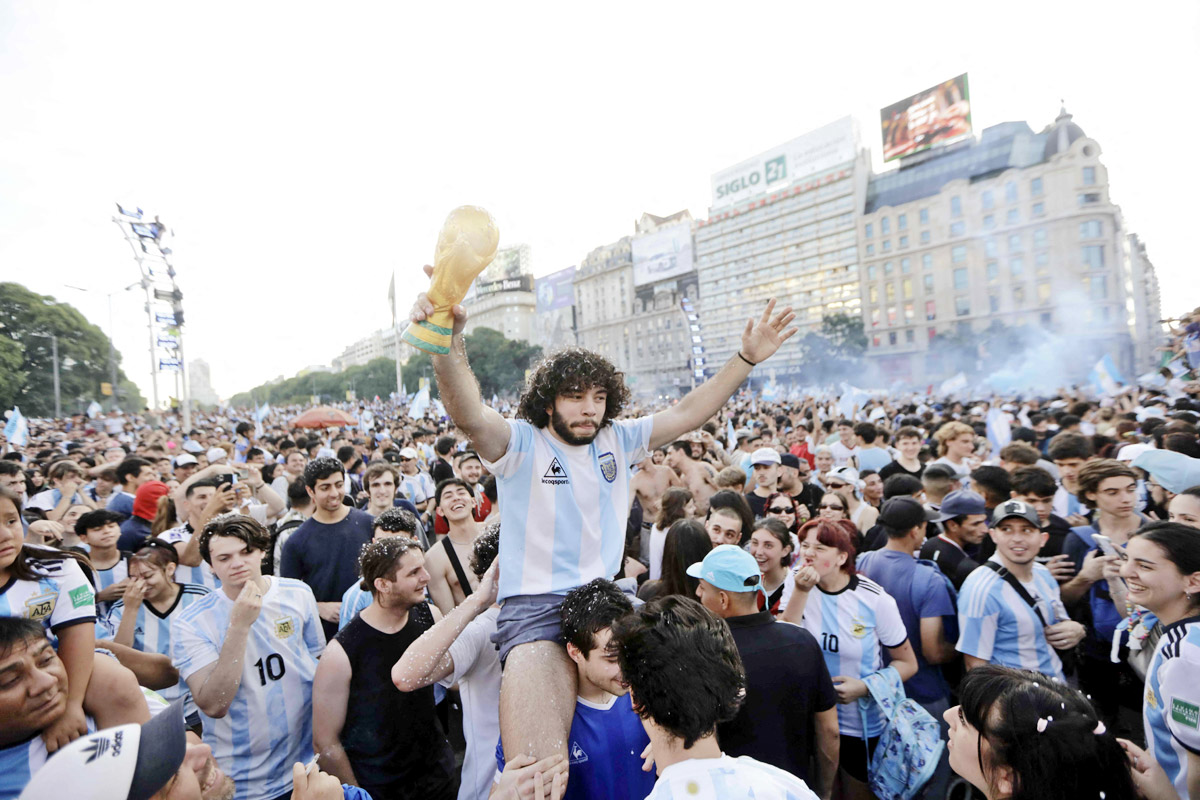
(577, 595)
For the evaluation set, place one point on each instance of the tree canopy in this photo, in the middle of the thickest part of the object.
(27, 321)
(836, 350)
(498, 363)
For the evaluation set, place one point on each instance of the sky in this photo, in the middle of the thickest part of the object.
(302, 152)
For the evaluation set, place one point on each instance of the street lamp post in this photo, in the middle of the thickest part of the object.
(112, 348)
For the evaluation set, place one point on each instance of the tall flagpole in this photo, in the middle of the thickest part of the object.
(396, 340)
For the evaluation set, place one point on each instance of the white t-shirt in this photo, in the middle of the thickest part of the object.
(842, 454)
(728, 778)
(477, 673)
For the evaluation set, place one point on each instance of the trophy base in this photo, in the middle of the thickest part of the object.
(424, 335)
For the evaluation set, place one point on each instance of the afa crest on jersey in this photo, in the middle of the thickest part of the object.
(608, 467)
(284, 627)
(41, 607)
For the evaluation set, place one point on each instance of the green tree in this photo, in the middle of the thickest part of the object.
(498, 363)
(27, 322)
(845, 335)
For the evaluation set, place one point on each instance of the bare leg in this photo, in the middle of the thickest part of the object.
(113, 695)
(537, 700)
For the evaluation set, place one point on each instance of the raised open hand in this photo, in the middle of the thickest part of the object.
(763, 337)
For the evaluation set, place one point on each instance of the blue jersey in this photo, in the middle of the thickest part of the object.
(727, 778)
(152, 634)
(1171, 713)
(353, 601)
(61, 596)
(563, 508)
(605, 752)
(199, 575)
(997, 626)
(268, 726)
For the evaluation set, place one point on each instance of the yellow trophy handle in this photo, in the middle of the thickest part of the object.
(465, 246)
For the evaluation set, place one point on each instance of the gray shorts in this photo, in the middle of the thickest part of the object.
(528, 618)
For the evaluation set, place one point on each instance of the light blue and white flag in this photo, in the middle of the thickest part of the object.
(730, 435)
(1105, 378)
(852, 401)
(999, 430)
(17, 428)
(952, 385)
(94, 410)
(260, 414)
(420, 404)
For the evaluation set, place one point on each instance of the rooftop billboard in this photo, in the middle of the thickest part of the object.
(822, 149)
(666, 253)
(938, 115)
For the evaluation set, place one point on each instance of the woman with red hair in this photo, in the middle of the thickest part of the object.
(852, 618)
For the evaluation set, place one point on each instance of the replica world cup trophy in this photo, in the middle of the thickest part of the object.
(465, 246)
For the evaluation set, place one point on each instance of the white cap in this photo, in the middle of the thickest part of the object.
(878, 412)
(1131, 451)
(185, 460)
(764, 455)
(192, 446)
(408, 452)
(215, 454)
(128, 762)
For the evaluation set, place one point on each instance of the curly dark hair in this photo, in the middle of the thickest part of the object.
(571, 369)
(484, 549)
(589, 609)
(682, 665)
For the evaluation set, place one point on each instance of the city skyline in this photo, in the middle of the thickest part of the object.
(285, 194)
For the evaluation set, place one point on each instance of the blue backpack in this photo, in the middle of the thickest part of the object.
(910, 744)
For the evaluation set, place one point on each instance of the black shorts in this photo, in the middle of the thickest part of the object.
(855, 754)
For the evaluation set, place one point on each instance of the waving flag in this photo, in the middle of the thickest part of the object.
(260, 414)
(999, 430)
(17, 429)
(1105, 378)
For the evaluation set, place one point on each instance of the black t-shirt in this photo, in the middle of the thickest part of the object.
(787, 683)
(810, 496)
(440, 471)
(326, 557)
(1058, 529)
(952, 561)
(393, 739)
(758, 505)
(894, 468)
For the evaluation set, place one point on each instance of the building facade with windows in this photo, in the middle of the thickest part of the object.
(1147, 305)
(502, 297)
(1016, 228)
(604, 302)
(796, 240)
(661, 353)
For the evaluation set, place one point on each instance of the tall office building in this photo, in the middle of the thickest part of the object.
(502, 297)
(782, 224)
(1016, 228)
(200, 383)
(603, 299)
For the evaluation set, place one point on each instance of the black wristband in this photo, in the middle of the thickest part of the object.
(743, 358)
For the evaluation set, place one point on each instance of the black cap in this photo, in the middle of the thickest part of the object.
(789, 460)
(903, 513)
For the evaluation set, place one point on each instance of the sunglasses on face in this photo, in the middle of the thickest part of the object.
(780, 510)
(832, 485)
(834, 506)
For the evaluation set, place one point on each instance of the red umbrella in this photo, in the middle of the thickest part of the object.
(324, 417)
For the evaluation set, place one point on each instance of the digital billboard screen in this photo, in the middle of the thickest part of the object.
(935, 116)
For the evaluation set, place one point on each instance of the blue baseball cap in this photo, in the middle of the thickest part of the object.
(960, 504)
(730, 569)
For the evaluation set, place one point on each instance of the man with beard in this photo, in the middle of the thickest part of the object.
(562, 470)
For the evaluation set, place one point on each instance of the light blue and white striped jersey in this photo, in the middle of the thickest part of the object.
(269, 723)
(996, 625)
(19, 762)
(201, 575)
(61, 597)
(563, 508)
(417, 488)
(853, 626)
(1171, 713)
(728, 778)
(153, 635)
(353, 601)
(107, 577)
